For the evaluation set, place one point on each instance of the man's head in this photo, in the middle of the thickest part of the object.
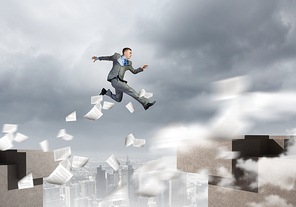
(127, 53)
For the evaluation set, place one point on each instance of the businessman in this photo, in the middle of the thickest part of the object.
(121, 64)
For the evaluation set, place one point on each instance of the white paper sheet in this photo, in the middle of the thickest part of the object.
(20, 137)
(5, 142)
(67, 137)
(9, 128)
(10, 136)
(139, 142)
(145, 94)
(79, 162)
(107, 105)
(94, 114)
(231, 88)
(142, 93)
(59, 176)
(71, 116)
(61, 133)
(66, 164)
(96, 99)
(26, 182)
(129, 140)
(99, 106)
(148, 95)
(44, 145)
(130, 107)
(113, 162)
(62, 154)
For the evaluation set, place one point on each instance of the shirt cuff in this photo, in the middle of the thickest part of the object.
(97, 58)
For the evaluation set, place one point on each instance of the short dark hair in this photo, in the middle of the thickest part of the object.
(126, 48)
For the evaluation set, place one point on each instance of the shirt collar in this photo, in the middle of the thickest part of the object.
(121, 60)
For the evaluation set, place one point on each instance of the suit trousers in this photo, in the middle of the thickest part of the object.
(122, 87)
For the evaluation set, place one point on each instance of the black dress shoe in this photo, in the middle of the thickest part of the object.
(103, 92)
(149, 104)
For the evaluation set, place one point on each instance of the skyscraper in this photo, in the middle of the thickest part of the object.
(126, 179)
(163, 198)
(101, 182)
(51, 196)
(178, 191)
(116, 177)
(70, 194)
(79, 202)
(87, 188)
(111, 186)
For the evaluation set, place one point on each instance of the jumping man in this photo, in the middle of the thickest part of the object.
(121, 63)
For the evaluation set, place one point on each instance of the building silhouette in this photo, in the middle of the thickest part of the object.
(101, 183)
(177, 191)
(52, 196)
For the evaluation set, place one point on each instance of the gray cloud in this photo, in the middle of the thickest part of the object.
(46, 69)
(221, 39)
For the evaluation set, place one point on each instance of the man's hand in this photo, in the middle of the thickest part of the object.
(144, 66)
(94, 59)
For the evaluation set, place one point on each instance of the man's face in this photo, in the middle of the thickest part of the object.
(127, 54)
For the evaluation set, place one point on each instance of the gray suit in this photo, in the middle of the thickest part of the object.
(116, 76)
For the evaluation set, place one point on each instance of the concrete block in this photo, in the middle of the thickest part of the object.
(196, 155)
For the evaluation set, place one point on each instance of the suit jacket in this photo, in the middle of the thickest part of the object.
(117, 69)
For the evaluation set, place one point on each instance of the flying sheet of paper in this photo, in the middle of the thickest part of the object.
(113, 162)
(96, 99)
(9, 128)
(59, 176)
(79, 162)
(10, 136)
(20, 137)
(71, 116)
(129, 140)
(94, 114)
(135, 142)
(67, 137)
(148, 95)
(108, 105)
(5, 142)
(99, 106)
(66, 164)
(130, 107)
(139, 142)
(44, 145)
(142, 93)
(145, 94)
(231, 88)
(26, 182)
(61, 133)
(62, 154)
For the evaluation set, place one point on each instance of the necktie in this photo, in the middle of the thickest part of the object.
(125, 62)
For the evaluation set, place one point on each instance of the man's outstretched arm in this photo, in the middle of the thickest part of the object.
(140, 69)
(95, 58)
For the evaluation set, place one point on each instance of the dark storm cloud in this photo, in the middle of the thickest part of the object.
(198, 42)
(33, 86)
(216, 38)
(46, 69)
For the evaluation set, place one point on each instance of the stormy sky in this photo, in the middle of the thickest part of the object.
(46, 70)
